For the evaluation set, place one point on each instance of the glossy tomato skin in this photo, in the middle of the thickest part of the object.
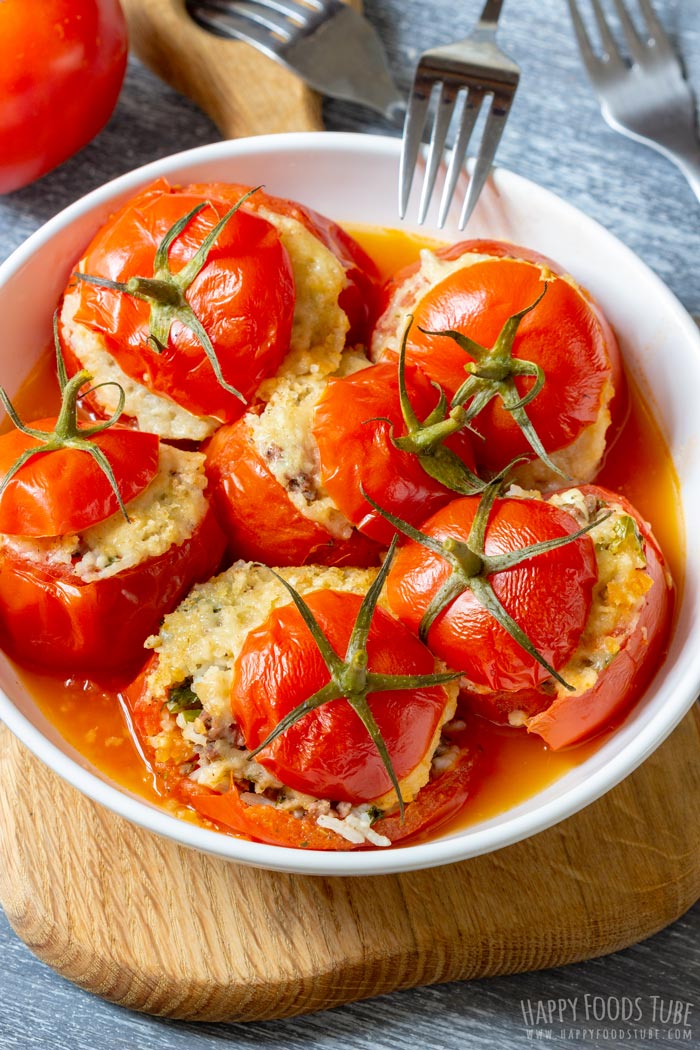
(260, 521)
(549, 597)
(66, 491)
(51, 618)
(434, 805)
(569, 719)
(359, 299)
(354, 421)
(62, 67)
(566, 334)
(244, 298)
(329, 753)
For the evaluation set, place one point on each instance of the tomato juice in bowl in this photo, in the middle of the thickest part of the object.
(314, 169)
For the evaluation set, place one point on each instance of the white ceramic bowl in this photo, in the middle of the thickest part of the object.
(353, 178)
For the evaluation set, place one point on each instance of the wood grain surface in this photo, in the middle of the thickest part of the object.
(243, 91)
(150, 925)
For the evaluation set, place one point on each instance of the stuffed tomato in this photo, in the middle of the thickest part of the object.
(248, 719)
(527, 352)
(190, 298)
(287, 479)
(187, 302)
(557, 616)
(102, 530)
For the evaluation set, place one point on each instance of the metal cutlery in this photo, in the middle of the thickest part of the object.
(463, 75)
(643, 93)
(333, 47)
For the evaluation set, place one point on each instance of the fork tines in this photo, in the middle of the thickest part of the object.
(462, 76)
(259, 21)
(654, 46)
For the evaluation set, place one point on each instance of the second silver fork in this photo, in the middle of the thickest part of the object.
(647, 98)
(466, 73)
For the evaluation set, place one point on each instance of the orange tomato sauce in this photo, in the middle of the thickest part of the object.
(95, 720)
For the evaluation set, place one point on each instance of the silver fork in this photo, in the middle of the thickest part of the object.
(331, 46)
(646, 98)
(467, 72)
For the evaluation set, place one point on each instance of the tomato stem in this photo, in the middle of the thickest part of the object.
(67, 433)
(165, 290)
(471, 568)
(426, 440)
(492, 373)
(350, 677)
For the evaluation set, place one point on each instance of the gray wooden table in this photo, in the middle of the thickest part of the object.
(555, 137)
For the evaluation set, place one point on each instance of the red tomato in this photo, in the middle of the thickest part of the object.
(566, 334)
(433, 806)
(66, 491)
(360, 296)
(570, 718)
(549, 596)
(62, 66)
(243, 297)
(257, 516)
(356, 449)
(329, 753)
(50, 618)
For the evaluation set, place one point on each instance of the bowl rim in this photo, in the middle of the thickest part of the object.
(459, 846)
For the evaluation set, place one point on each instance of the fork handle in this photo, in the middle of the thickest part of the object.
(242, 91)
(491, 13)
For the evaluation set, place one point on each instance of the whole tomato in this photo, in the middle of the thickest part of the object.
(328, 750)
(62, 66)
(49, 615)
(567, 718)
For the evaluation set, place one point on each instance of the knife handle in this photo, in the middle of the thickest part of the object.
(243, 91)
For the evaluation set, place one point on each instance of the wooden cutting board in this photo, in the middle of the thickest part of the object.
(156, 927)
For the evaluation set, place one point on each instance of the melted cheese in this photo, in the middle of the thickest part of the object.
(320, 325)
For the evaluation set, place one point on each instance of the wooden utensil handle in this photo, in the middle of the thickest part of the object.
(243, 92)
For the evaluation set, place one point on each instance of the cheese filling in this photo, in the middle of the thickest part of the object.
(282, 436)
(618, 595)
(320, 325)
